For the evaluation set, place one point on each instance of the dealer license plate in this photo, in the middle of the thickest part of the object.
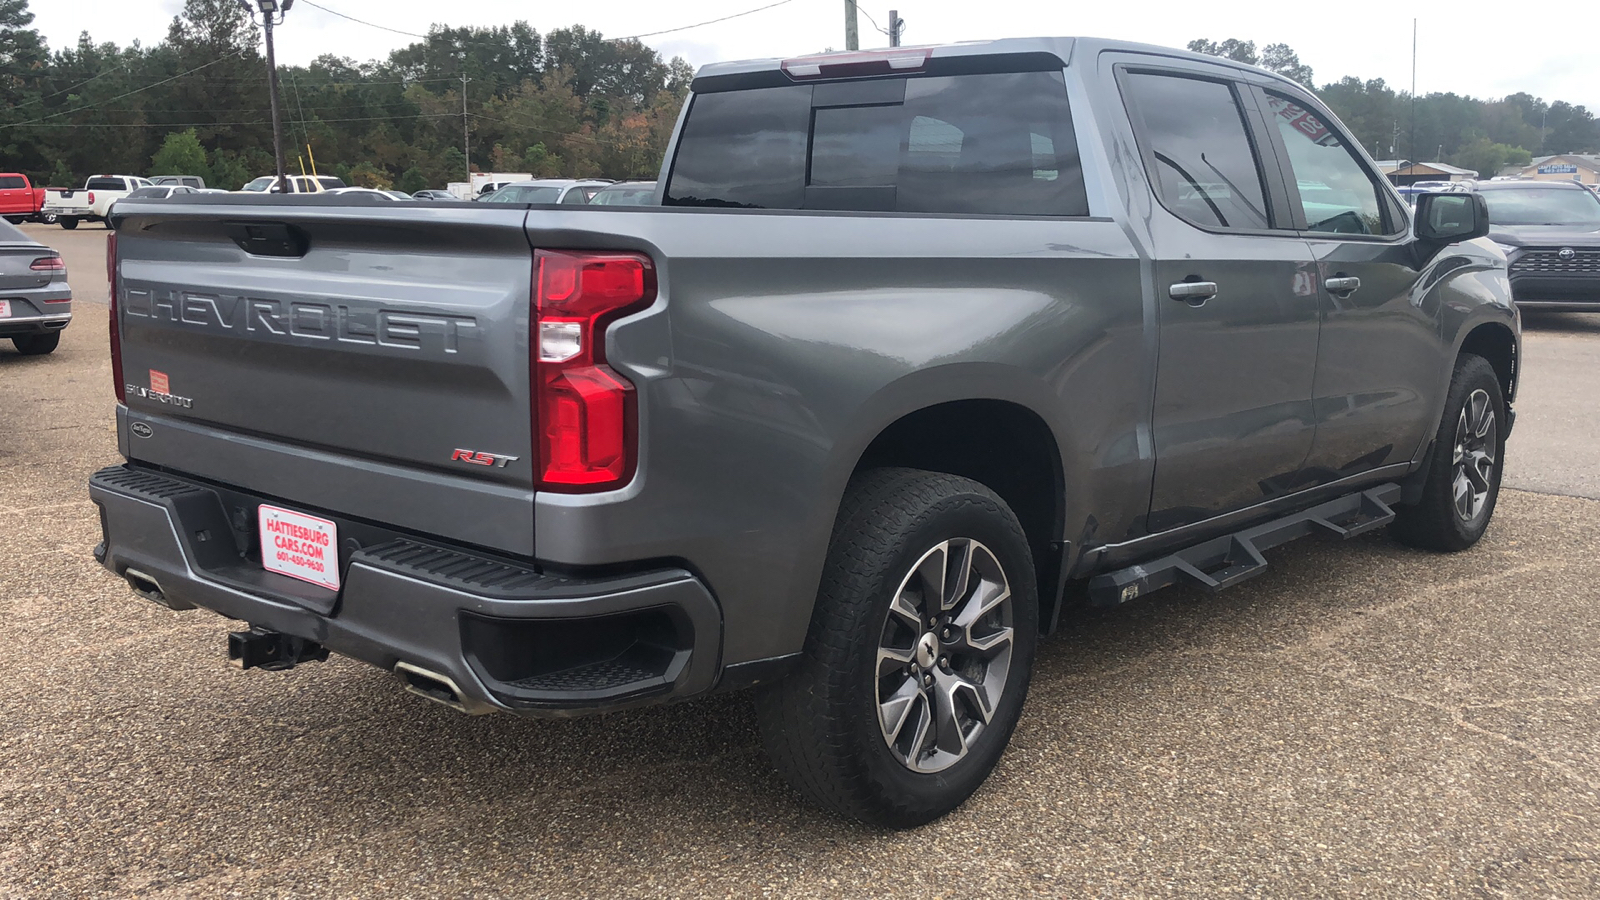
(300, 546)
(5, 309)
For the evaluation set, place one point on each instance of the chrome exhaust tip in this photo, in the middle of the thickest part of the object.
(438, 688)
(146, 586)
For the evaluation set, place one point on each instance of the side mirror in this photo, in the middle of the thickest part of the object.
(1451, 218)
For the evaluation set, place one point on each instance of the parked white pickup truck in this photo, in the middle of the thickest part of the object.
(298, 184)
(90, 203)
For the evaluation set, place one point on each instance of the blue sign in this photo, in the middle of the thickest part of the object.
(1559, 169)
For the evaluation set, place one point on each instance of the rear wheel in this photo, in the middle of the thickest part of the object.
(919, 654)
(69, 222)
(36, 344)
(1463, 480)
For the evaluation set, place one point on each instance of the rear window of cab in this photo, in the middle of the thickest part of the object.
(985, 144)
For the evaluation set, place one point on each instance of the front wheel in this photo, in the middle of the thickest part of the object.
(1463, 481)
(919, 654)
(69, 222)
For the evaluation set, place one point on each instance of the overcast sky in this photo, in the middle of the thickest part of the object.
(1464, 47)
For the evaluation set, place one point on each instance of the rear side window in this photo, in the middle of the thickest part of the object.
(1198, 150)
(998, 144)
(11, 182)
(106, 184)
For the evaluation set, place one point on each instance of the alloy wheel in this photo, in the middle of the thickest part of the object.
(1477, 441)
(944, 655)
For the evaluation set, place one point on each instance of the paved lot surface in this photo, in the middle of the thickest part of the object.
(1363, 720)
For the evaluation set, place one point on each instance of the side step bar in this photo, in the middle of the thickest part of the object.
(1225, 561)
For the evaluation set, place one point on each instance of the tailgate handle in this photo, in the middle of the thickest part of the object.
(268, 238)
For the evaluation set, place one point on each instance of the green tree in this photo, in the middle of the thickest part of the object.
(1487, 158)
(1282, 59)
(1232, 48)
(181, 154)
(412, 180)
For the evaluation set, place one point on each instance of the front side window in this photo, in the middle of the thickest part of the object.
(11, 182)
(1337, 195)
(1205, 167)
(989, 144)
(259, 184)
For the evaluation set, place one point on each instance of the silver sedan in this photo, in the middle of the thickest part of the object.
(35, 300)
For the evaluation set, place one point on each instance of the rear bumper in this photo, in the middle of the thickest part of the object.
(34, 324)
(507, 634)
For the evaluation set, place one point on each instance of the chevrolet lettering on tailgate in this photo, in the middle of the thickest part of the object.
(433, 334)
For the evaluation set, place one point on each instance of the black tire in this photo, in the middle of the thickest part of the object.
(36, 344)
(68, 222)
(821, 724)
(1443, 519)
(16, 220)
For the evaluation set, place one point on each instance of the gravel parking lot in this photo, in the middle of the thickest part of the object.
(1362, 720)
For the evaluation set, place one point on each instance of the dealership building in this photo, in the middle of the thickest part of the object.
(1580, 167)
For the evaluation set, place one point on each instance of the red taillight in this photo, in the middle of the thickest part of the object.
(116, 332)
(855, 65)
(91, 198)
(584, 413)
(49, 264)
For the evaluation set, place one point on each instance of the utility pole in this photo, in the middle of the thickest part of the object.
(1411, 142)
(895, 24)
(852, 39)
(466, 136)
(269, 9)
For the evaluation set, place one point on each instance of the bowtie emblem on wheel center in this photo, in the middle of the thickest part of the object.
(927, 650)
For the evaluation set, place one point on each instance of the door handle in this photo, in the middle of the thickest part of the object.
(1193, 292)
(1343, 285)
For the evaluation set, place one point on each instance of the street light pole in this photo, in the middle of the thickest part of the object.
(269, 9)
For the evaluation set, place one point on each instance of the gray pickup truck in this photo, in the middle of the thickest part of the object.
(918, 348)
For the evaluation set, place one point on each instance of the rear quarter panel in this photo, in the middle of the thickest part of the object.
(781, 344)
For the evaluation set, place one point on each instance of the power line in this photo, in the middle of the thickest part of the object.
(861, 9)
(226, 124)
(634, 37)
(66, 91)
(550, 131)
(364, 21)
(67, 112)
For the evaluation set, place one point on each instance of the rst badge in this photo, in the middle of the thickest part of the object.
(479, 458)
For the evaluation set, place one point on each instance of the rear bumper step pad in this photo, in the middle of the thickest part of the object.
(1226, 561)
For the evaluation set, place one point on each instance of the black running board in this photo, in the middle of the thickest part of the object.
(1225, 561)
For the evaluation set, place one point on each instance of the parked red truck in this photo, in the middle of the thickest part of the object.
(20, 201)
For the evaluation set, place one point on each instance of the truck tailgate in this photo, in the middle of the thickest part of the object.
(335, 357)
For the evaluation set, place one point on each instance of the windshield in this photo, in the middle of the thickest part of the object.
(260, 184)
(640, 195)
(1543, 207)
(519, 194)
